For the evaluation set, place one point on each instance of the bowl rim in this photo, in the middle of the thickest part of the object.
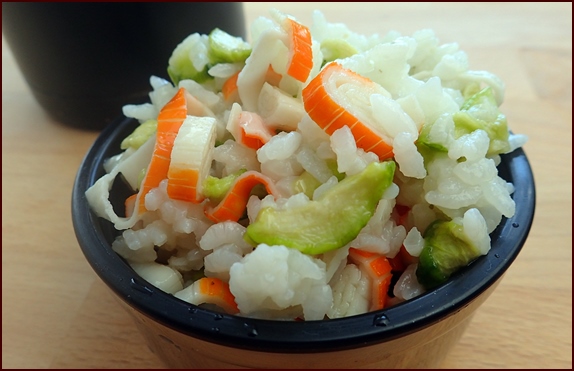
(296, 336)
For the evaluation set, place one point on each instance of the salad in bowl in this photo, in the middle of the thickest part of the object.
(311, 173)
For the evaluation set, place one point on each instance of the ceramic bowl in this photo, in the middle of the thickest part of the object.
(414, 334)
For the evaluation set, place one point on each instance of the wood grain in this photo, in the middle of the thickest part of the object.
(56, 313)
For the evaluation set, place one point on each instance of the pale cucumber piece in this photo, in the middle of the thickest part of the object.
(330, 222)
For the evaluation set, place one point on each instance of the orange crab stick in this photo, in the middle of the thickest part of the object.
(300, 51)
(169, 121)
(211, 290)
(191, 158)
(379, 269)
(337, 97)
(233, 205)
(229, 88)
(253, 131)
(248, 128)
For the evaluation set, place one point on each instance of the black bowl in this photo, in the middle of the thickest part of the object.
(475, 281)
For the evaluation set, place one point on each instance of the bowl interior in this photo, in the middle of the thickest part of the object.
(96, 234)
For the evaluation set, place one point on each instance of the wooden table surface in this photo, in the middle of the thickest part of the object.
(56, 313)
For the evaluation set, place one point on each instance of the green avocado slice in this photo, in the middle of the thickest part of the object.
(446, 249)
(225, 48)
(480, 111)
(180, 66)
(140, 135)
(336, 49)
(329, 222)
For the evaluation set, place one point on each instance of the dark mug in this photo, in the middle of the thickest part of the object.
(84, 61)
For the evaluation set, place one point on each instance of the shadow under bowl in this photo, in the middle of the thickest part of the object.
(417, 333)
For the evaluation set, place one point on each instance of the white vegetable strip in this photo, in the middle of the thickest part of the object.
(99, 193)
(252, 76)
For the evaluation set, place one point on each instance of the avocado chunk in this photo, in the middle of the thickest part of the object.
(424, 141)
(306, 183)
(329, 222)
(336, 49)
(180, 66)
(446, 249)
(480, 111)
(225, 48)
(140, 135)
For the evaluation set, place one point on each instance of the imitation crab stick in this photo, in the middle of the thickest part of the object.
(337, 97)
(235, 201)
(379, 269)
(169, 121)
(210, 290)
(229, 88)
(254, 133)
(298, 65)
(300, 50)
(248, 128)
(191, 158)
